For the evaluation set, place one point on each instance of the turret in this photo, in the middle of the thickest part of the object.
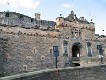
(60, 21)
(37, 15)
(82, 18)
(92, 24)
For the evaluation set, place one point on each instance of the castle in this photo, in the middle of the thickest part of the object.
(29, 44)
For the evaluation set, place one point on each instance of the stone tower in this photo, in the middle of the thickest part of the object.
(37, 16)
(77, 33)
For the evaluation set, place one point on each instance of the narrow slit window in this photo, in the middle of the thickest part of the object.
(34, 50)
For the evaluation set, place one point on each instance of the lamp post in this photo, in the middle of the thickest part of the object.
(56, 62)
(56, 54)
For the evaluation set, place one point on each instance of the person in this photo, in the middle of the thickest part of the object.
(101, 58)
(77, 54)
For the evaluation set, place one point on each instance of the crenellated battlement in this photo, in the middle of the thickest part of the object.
(17, 19)
(28, 32)
(73, 21)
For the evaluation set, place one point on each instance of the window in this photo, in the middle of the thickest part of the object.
(89, 49)
(65, 42)
(76, 34)
(34, 50)
(72, 34)
(51, 50)
(88, 44)
(25, 68)
(65, 49)
(80, 34)
(99, 46)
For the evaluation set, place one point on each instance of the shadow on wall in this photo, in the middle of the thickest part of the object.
(3, 56)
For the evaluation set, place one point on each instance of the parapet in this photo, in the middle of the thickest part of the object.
(73, 21)
(37, 16)
(82, 18)
(60, 21)
(29, 32)
(17, 19)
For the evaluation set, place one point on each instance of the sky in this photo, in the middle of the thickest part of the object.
(50, 10)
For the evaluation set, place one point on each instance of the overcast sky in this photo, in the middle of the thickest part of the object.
(50, 9)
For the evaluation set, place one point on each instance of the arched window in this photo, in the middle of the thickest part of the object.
(89, 49)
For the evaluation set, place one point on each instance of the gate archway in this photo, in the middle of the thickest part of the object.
(76, 49)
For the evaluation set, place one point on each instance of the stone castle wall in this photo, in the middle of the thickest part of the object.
(28, 49)
(32, 49)
(16, 19)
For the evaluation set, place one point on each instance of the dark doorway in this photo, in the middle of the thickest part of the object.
(75, 51)
(76, 54)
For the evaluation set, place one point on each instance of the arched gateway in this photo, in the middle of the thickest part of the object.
(76, 49)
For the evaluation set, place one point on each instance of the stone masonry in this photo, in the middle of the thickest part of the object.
(97, 72)
(26, 44)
